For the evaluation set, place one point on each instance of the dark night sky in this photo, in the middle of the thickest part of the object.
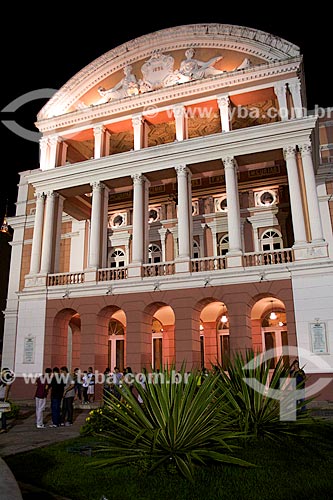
(46, 54)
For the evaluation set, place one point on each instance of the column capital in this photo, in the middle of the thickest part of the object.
(280, 88)
(55, 139)
(44, 141)
(137, 120)
(289, 152)
(39, 195)
(99, 129)
(139, 178)
(305, 149)
(97, 185)
(229, 162)
(223, 101)
(182, 170)
(51, 194)
(294, 85)
(178, 110)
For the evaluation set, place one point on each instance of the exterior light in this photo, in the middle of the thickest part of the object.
(273, 314)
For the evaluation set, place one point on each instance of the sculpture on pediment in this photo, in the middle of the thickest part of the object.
(157, 72)
(244, 65)
(127, 86)
(193, 69)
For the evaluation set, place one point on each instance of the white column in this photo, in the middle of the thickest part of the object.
(104, 252)
(48, 235)
(63, 155)
(58, 232)
(44, 153)
(99, 141)
(295, 90)
(295, 195)
(55, 142)
(311, 194)
(95, 225)
(179, 113)
(139, 218)
(233, 214)
(223, 102)
(162, 232)
(37, 235)
(202, 241)
(184, 212)
(280, 92)
(138, 125)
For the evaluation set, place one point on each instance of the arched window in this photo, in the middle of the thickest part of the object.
(274, 334)
(116, 344)
(154, 253)
(157, 347)
(271, 239)
(117, 258)
(224, 244)
(196, 250)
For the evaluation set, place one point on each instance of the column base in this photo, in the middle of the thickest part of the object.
(183, 265)
(32, 280)
(134, 270)
(314, 250)
(234, 259)
(90, 275)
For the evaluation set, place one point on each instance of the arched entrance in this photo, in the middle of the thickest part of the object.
(111, 329)
(162, 335)
(65, 341)
(269, 327)
(214, 334)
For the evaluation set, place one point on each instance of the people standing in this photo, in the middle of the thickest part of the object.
(42, 387)
(78, 385)
(57, 391)
(107, 386)
(68, 397)
(85, 385)
(91, 386)
(299, 374)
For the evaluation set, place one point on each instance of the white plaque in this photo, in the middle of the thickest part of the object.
(29, 350)
(318, 337)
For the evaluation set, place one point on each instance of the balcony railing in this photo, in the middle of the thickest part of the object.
(208, 264)
(65, 279)
(268, 258)
(158, 269)
(112, 274)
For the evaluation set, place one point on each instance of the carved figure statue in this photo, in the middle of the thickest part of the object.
(193, 69)
(127, 86)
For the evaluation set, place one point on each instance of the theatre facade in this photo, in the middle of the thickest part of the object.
(182, 210)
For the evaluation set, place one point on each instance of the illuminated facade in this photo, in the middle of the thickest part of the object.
(182, 209)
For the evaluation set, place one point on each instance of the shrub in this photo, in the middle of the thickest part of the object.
(14, 410)
(257, 414)
(178, 423)
(102, 419)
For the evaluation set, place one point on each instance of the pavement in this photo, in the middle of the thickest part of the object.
(23, 436)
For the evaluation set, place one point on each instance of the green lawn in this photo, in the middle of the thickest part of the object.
(296, 468)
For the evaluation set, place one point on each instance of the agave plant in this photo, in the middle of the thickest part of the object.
(177, 423)
(258, 413)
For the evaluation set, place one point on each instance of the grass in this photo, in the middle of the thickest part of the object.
(295, 468)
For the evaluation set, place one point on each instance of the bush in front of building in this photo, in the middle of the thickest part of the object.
(257, 414)
(175, 424)
(102, 419)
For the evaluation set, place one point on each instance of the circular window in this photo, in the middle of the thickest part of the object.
(267, 198)
(223, 204)
(118, 220)
(152, 215)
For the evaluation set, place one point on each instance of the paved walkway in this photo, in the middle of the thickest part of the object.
(23, 436)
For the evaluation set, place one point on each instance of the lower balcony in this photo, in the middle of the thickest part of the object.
(160, 269)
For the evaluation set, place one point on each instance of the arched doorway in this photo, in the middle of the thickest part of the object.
(116, 341)
(269, 327)
(65, 341)
(162, 335)
(111, 332)
(214, 334)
